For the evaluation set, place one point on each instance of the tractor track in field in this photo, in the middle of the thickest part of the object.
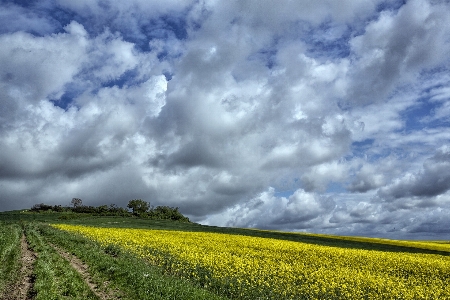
(82, 269)
(23, 289)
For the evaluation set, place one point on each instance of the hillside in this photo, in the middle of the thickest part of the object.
(141, 258)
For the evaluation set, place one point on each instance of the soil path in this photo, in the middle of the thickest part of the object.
(23, 289)
(82, 269)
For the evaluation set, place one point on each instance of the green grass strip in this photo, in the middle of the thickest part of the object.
(9, 254)
(55, 278)
(124, 271)
(441, 248)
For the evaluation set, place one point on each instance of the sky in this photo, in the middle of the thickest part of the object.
(314, 116)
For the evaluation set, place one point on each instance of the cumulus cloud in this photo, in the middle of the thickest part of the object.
(16, 18)
(299, 116)
(34, 68)
(395, 47)
(301, 210)
(40, 139)
(319, 176)
(431, 181)
(368, 176)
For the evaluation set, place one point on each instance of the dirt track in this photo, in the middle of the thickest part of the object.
(82, 269)
(23, 289)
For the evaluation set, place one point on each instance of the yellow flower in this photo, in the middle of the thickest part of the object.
(255, 267)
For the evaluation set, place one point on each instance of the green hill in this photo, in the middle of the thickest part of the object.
(133, 256)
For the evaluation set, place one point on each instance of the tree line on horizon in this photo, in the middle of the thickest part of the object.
(139, 208)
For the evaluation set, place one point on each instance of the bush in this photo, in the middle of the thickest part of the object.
(140, 209)
(85, 209)
(167, 213)
(58, 208)
(41, 207)
(102, 209)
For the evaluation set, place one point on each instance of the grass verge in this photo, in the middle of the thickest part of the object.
(124, 271)
(9, 254)
(55, 278)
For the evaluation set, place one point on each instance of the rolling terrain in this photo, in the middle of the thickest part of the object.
(52, 256)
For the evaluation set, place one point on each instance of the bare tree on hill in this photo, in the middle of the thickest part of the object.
(76, 202)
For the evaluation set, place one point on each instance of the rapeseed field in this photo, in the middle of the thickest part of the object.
(245, 267)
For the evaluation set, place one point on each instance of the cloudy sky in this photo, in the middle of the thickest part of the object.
(319, 116)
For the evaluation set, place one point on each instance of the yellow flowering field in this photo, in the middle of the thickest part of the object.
(245, 267)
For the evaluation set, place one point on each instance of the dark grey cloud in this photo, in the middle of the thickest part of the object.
(431, 181)
(195, 153)
(368, 178)
(437, 227)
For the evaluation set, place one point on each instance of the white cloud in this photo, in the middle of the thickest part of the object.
(218, 107)
(35, 67)
(111, 56)
(149, 7)
(367, 178)
(395, 47)
(16, 18)
(319, 176)
(301, 210)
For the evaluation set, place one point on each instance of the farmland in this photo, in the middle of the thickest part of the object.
(131, 258)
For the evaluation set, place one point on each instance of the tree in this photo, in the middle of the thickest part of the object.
(138, 206)
(113, 207)
(41, 207)
(76, 202)
(102, 209)
(168, 213)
